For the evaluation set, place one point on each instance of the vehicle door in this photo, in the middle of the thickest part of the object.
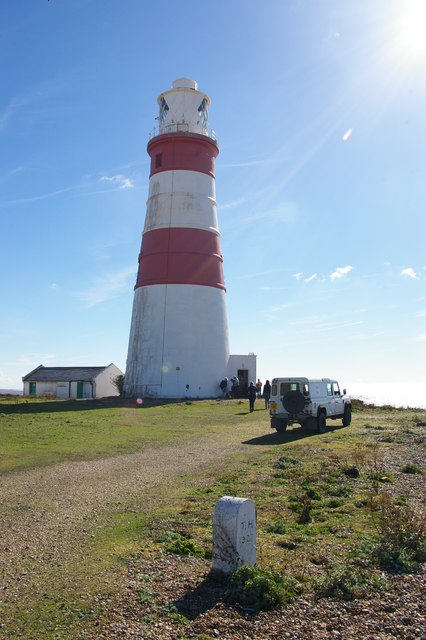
(338, 403)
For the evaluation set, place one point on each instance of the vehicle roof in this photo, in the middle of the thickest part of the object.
(301, 379)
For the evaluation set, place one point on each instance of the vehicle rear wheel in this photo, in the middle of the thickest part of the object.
(321, 422)
(281, 426)
(278, 424)
(347, 415)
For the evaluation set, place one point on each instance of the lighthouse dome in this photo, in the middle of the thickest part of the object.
(185, 83)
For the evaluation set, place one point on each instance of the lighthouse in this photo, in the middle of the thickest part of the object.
(178, 344)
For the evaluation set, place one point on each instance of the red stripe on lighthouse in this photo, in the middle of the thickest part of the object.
(180, 256)
(187, 151)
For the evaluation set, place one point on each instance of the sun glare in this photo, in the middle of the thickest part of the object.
(412, 28)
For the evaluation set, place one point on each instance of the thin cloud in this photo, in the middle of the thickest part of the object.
(248, 163)
(106, 288)
(119, 180)
(233, 203)
(339, 325)
(14, 105)
(298, 275)
(314, 276)
(287, 212)
(44, 196)
(309, 320)
(9, 174)
(259, 274)
(275, 312)
(421, 313)
(31, 360)
(340, 272)
(420, 338)
(409, 273)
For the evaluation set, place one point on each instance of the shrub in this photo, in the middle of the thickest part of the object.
(348, 582)
(278, 526)
(259, 590)
(411, 467)
(334, 503)
(402, 544)
(118, 383)
(311, 492)
(181, 546)
(305, 513)
(301, 504)
(342, 490)
(380, 476)
(286, 461)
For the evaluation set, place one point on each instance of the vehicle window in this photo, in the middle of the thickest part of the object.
(285, 387)
(274, 390)
(336, 390)
(305, 389)
(329, 390)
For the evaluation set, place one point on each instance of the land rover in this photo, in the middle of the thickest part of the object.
(308, 402)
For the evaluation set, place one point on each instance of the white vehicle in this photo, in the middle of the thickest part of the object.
(308, 402)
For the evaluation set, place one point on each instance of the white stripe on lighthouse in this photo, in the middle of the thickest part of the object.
(181, 199)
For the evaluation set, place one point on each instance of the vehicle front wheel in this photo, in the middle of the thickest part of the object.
(321, 422)
(347, 416)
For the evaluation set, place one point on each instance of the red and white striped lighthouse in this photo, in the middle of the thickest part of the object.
(178, 341)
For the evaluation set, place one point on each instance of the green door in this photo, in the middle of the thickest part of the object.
(32, 388)
(79, 389)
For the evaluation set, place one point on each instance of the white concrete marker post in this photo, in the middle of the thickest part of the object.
(234, 534)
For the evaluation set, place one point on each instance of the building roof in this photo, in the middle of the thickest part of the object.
(63, 374)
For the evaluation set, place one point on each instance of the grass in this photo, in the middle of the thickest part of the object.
(310, 510)
(41, 433)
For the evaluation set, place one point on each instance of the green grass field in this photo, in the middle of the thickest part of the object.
(310, 508)
(38, 433)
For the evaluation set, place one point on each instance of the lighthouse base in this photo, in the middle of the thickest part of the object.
(178, 344)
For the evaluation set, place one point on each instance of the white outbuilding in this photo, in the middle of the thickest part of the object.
(72, 382)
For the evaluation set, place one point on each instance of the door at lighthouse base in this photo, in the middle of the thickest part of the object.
(243, 378)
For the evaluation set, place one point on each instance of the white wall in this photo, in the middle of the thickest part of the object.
(243, 362)
(42, 388)
(178, 337)
(104, 386)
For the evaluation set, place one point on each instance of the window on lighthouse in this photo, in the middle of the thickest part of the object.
(203, 111)
(164, 107)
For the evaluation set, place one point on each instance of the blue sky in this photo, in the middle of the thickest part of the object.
(318, 106)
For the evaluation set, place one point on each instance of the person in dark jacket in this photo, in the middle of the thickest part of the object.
(267, 393)
(252, 394)
(224, 386)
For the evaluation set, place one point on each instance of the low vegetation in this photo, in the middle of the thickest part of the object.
(334, 518)
(254, 589)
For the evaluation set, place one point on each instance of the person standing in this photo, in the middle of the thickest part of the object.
(259, 388)
(267, 393)
(224, 387)
(235, 389)
(252, 393)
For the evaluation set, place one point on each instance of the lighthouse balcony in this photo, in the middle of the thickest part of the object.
(182, 127)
